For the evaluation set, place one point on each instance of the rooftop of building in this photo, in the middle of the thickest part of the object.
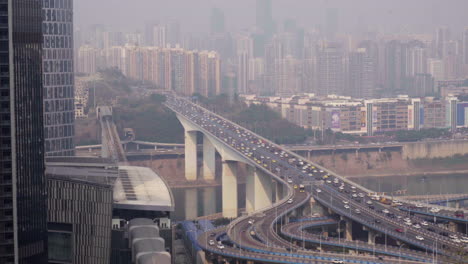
(135, 188)
(140, 188)
(82, 169)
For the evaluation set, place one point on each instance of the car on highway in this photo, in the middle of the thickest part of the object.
(417, 226)
(399, 230)
(434, 210)
(220, 246)
(318, 190)
(357, 211)
(420, 238)
(424, 223)
(346, 206)
(211, 243)
(290, 201)
(337, 261)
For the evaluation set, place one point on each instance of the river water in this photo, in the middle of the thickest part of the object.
(191, 203)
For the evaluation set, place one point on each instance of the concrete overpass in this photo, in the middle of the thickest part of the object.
(271, 196)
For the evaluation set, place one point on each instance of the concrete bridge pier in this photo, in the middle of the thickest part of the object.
(209, 201)
(349, 230)
(191, 155)
(191, 204)
(371, 235)
(209, 159)
(279, 191)
(229, 189)
(259, 190)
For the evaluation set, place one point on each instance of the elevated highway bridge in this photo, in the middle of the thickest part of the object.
(272, 195)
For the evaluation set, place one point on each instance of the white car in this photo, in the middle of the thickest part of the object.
(417, 226)
(385, 211)
(337, 261)
(346, 206)
(290, 201)
(319, 191)
(420, 238)
(424, 223)
(220, 246)
(456, 240)
(211, 243)
(345, 202)
(419, 205)
(408, 223)
(290, 181)
(434, 210)
(357, 211)
(453, 236)
(369, 202)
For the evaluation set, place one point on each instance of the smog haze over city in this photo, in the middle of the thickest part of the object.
(233, 132)
(396, 16)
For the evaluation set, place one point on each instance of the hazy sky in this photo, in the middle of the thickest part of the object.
(394, 15)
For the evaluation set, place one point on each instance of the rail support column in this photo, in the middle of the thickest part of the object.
(209, 163)
(229, 189)
(258, 190)
(191, 204)
(191, 155)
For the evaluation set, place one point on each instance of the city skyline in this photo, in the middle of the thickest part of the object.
(392, 16)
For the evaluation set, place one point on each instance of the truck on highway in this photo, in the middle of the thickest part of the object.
(385, 201)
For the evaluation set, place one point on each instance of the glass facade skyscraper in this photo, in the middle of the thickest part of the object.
(23, 197)
(59, 108)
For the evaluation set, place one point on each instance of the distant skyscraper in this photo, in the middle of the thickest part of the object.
(331, 24)
(330, 61)
(160, 36)
(242, 71)
(23, 199)
(441, 38)
(59, 113)
(394, 68)
(173, 33)
(87, 60)
(264, 16)
(362, 83)
(465, 46)
(217, 22)
(435, 68)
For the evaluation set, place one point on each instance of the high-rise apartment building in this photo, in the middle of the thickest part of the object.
(59, 113)
(465, 46)
(87, 59)
(242, 71)
(217, 22)
(362, 83)
(23, 199)
(160, 36)
(264, 17)
(331, 23)
(330, 61)
(394, 66)
(442, 36)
